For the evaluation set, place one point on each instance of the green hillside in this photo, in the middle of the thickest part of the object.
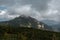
(24, 33)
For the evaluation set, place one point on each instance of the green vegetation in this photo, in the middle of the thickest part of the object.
(24, 33)
(18, 29)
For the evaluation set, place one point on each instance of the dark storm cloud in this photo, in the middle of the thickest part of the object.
(16, 7)
(39, 5)
(7, 2)
(39, 9)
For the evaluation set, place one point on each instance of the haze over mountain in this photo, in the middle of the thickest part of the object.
(26, 21)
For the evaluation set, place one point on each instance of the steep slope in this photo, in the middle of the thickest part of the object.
(26, 21)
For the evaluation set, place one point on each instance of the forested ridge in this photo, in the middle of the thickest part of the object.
(25, 33)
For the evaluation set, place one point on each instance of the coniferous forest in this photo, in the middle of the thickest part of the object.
(25, 33)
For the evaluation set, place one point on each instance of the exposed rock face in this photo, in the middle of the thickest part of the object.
(26, 21)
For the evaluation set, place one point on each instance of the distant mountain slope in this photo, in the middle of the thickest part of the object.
(26, 21)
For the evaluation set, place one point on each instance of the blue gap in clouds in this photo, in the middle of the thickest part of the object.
(2, 7)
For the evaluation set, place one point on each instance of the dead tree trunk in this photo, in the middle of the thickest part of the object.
(54, 37)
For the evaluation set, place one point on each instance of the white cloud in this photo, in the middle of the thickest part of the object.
(53, 12)
(4, 15)
(39, 9)
(26, 10)
(26, 7)
(2, 12)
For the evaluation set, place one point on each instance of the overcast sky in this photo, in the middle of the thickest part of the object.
(39, 9)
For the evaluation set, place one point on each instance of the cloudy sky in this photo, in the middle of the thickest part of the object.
(39, 9)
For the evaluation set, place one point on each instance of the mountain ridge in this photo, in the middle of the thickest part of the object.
(26, 21)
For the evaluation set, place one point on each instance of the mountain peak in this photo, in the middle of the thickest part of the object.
(23, 16)
(27, 21)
